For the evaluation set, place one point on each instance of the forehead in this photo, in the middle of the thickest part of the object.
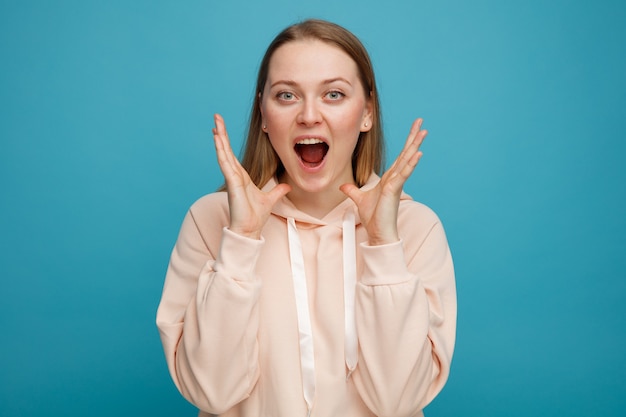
(311, 60)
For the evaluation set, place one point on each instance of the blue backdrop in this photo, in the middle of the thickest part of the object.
(105, 118)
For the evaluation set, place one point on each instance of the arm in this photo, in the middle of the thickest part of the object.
(406, 299)
(406, 319)
(208, 318)
(208, 315)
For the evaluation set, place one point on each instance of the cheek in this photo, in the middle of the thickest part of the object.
(275, 119)
(354, 113)
(350, 120)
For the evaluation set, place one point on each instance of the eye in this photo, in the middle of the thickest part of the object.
(335, 95)
(285, 96)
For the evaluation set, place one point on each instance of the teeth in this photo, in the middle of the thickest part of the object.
(309, 141)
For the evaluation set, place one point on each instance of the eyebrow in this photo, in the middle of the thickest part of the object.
(325, 82)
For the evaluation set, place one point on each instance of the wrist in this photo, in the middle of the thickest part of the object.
(247, 234)
(382, 240)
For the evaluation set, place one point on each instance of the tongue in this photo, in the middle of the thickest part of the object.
(313, 154)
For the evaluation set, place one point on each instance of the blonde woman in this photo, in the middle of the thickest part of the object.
(311, 285)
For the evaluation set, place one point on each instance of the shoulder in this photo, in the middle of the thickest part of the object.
(417, 222)
(210, 210)
(414, 211)
(211, 201)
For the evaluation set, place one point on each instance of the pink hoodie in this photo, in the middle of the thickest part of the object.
(277, 327)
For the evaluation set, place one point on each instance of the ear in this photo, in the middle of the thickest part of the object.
(263, 124)
(368, 116)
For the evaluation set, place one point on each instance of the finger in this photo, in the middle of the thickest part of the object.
(220, 146)
(413, 132)
(405, 168)
(402, 168)
(225, 158)
(411, 148)
(278, 192)
(352, 191)
(415, 138)
(222, 135)
(409, 167)
(220, 129)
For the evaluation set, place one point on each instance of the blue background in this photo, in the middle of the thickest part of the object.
(105, 118)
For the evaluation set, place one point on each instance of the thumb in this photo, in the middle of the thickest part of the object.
(278, 192)
(352, 191)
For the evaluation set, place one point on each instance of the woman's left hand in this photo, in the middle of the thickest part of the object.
(378, 207)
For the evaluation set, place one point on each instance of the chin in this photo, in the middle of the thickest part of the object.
(313, 185)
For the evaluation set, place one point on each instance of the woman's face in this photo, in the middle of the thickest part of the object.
(313, 108)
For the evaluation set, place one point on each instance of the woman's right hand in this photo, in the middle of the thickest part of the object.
(249, 207)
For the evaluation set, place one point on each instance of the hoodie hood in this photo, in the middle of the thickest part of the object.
(286, 209)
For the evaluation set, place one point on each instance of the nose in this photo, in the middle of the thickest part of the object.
(309, 114)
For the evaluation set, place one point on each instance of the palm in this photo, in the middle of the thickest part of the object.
(249, 207)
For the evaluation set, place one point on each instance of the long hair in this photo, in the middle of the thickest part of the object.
(260, 159)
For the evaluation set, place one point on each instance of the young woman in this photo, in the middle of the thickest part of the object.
(310, 286)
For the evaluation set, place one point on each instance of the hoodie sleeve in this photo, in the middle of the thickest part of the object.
(208, 316)
(406, 320)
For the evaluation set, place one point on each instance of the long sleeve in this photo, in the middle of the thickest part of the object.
(229, 326)
(208, 316)
(406, 320)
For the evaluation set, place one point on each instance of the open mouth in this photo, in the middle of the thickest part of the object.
(311, 151)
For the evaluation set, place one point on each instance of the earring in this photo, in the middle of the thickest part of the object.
(264, 127)
(365, 124)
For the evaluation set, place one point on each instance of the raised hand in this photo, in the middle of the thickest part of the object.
(378, 207)
(249, 206)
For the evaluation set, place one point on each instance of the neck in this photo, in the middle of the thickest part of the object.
(316, 204)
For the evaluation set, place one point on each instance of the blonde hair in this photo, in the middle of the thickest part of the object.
(260, 159)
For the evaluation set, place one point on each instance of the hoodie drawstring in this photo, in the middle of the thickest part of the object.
(349, 289)
(307, 357)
